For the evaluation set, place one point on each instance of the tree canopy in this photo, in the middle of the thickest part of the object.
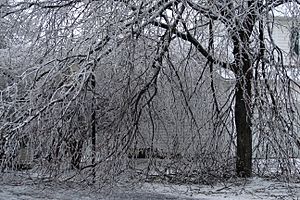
(199, 84)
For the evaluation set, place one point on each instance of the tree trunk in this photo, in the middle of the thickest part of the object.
(76, 152)
(243, 130)
(93, 126)
(243, 98)
(2, 153)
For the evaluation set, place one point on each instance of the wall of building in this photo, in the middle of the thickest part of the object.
(281, 34)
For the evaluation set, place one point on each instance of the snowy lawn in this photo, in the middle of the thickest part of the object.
(255, 188)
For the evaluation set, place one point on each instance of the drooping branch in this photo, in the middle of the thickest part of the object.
(189, 38)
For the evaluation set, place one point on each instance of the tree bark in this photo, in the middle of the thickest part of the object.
(243, 98)
(76, 152)
(243, 129)
(93, 126)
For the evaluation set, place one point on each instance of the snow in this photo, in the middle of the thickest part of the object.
(27, 192)
(254, 188)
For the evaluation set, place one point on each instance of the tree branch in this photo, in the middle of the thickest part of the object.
(188, 37)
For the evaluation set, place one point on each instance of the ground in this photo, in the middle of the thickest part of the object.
(254, 188)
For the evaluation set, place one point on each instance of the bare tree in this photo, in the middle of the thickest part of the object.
(96, 74)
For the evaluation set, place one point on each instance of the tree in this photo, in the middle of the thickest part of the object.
(130, 45)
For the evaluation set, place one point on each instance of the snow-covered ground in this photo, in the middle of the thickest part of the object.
(255, 188)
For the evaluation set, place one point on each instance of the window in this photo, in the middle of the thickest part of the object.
(295, 41)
